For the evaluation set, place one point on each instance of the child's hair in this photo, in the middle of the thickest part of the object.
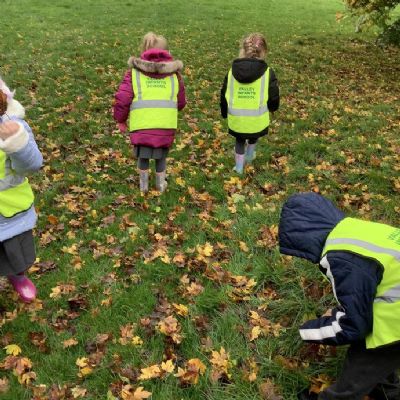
(253, 46)
(153, 41)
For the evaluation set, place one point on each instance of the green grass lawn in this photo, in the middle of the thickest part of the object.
(109, 257)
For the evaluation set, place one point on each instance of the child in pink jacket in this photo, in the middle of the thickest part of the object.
(153, 142)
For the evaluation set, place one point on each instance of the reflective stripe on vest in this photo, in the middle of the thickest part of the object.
(248, 104)
(155, 104)
(15, 192)
(382, 243)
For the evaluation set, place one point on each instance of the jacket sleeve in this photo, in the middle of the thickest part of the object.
(273, 92)
(123, 98)
(223, 103)
(354, 281)
(181, 93)
(22, 150)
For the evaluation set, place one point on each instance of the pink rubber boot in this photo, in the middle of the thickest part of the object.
(24, 287)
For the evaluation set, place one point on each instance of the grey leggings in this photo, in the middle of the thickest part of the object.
(240, 145)
(161, 164)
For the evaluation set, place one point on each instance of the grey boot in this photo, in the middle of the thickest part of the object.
(144, 180)
(161, 183)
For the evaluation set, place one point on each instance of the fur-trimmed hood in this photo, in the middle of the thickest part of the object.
(156, 61)
(14, 109)
(152, 67)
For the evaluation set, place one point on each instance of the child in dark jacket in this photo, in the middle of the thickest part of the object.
(249, 93)
(149, 96)
(19, 157)
(362, 261)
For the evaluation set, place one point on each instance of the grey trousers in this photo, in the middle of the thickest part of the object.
(367, 372)
(161, 164)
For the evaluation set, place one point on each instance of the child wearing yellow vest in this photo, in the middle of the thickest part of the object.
(19, 156)
(150, 96)
(362, 261)
(249, 93)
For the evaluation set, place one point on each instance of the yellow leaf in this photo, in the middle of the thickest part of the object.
(85, 371)
(26, 378)
(205, 250)
(137, 341)
(181, 309)
(168, 366)
(243, 247)
(179, 181)
(151, 372)
(13, 349)
(255, 333)
(78, 391)
(82, 362)
(140, 394)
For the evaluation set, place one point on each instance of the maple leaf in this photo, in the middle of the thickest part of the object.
(220, 365)
(181, 309)
(151, 372)
(205, 250)
(255, 333)
(169, 326)
(82, 362)
(127, 393)
(26, 378)
(126, 333)
(78, 392)
(168, 366)
(22, 365)
(191, 373)
(137, 341)
(13, 349)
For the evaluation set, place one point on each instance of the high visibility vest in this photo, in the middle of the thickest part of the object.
(15, 192)
(155, 104)
(379, 242)
(248, 104)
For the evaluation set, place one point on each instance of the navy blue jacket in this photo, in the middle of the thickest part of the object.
(306, 221)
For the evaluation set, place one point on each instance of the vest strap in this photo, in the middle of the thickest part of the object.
(153, 104)
(10, 181)
(391, 296)
(242, 112)
(365, 245)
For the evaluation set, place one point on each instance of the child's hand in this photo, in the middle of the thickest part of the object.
(8, 128)
(122, 127)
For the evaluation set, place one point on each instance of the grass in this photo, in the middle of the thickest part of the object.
(336, 132)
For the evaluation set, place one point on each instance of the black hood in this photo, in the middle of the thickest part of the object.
(306, 221)
(247, 70)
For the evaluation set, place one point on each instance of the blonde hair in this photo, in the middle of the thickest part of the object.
(153, 41)
(253, 46)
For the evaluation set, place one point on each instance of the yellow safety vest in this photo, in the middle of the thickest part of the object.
(381, 243)
(248, 104)
(155, 104)
(15, 192)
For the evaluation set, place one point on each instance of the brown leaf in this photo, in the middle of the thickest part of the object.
(269, 391)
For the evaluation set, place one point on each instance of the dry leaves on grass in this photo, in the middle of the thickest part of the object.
(190, 374)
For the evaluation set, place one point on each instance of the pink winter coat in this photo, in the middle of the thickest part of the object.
(155, 63)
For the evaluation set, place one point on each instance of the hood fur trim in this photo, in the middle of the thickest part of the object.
(15, 109)
(169, 67)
